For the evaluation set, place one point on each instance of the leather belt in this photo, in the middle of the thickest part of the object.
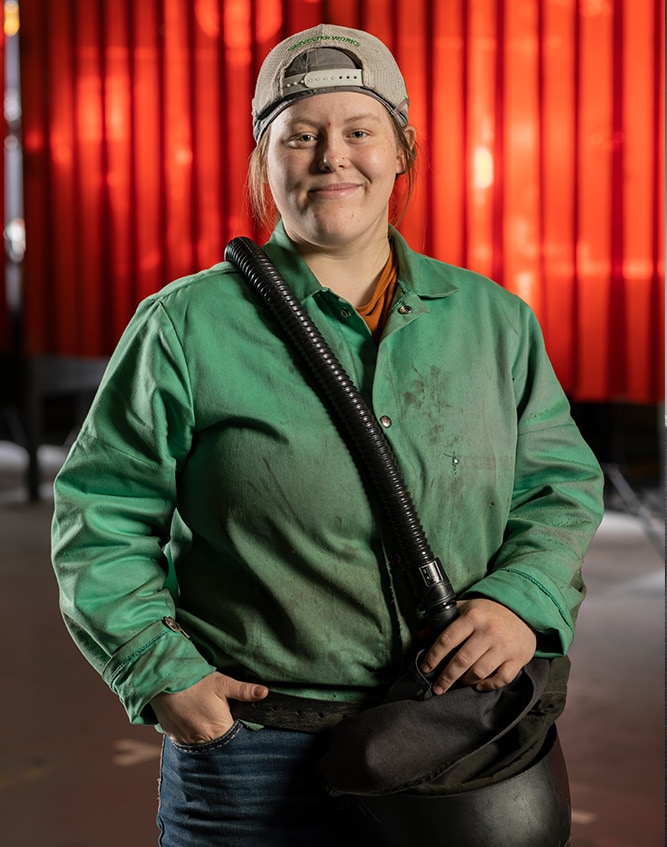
(301, 714)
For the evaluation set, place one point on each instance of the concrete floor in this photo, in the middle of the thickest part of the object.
(74, 773)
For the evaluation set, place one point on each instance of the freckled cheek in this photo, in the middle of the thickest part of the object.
(381, 171)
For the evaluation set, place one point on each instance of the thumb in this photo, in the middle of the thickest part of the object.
(233, 689)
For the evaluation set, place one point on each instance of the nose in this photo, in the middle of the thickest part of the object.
(332, 154)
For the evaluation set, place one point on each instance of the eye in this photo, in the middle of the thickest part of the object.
(359, 133)
(302, 138)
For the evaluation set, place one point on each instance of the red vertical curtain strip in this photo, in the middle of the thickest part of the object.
(540, 31)
(132, 176)
(541, 158)
(178, 121)
(497, 268)
(66, 319)
(518, 195)
(38, 298)
(482, 165)
(86, 208)
(147, 149)
(428, 66)
(410, 54)
(145, 152)
(635, 271)
(8, 330)
(302, 15)
(447, 125)
(207, 131)
(657, 170)
(378, 18)
(112, 45)
(618, 347)
(595, 199)
(239, 89)
(8, 339)
(574, 316)
(345, 12)
(465, 161)
(225, 163)
(36, 167)
(559, 131)
(195, 48)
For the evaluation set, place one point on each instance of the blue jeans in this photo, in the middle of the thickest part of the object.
(251, 788)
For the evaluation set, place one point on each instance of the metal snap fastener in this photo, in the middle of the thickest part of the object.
(174, 626)
(385, 420)
(345, 313)
(404, 310)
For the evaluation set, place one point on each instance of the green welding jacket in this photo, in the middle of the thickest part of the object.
(209, 486)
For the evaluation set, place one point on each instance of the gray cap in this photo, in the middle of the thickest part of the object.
(327, 58)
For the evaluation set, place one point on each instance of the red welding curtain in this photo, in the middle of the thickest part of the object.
(541, 158)
(7, 327)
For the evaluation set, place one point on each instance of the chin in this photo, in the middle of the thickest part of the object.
(339, 233)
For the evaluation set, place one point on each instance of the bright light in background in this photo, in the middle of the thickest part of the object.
(483, 168)
(11, 23)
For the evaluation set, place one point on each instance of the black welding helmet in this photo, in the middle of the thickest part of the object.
(530, 809)
(461, 770)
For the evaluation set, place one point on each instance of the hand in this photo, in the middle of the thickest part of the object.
(493, 645)
(201, 713)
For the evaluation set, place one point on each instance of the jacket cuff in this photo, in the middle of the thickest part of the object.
(160, 658)
(539, 607)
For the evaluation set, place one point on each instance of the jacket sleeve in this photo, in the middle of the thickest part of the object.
(114, 500)
(556, 504)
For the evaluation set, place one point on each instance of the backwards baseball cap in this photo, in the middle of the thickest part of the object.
(327, 58)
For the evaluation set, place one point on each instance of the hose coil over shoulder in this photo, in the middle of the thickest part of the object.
(433, 591)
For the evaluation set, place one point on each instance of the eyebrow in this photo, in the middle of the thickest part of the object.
(364, 116)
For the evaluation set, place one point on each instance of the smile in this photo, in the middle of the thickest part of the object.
(334, 191)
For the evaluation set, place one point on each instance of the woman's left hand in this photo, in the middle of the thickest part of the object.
(489, 646)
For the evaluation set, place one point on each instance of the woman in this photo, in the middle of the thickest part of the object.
(214, 542)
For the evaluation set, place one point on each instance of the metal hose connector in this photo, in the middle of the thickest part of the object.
(433, 591)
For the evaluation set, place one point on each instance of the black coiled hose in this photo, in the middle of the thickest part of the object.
(433, 591)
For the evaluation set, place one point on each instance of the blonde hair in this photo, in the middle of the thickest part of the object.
(264, 209)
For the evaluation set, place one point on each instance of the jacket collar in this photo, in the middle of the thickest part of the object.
(284, 255)
(424, 276)
(418, 274)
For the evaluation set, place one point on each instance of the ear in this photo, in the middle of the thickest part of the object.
(411, 136)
